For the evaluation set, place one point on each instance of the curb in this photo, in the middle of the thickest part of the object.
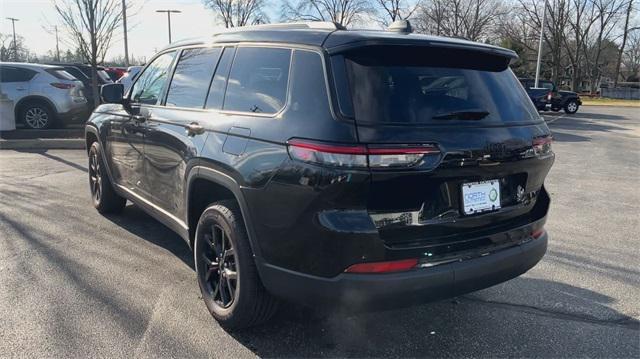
(43, 143)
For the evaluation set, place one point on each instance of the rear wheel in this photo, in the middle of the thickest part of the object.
(37, 115)
(226, 271)
(571, 107)
(103, 196)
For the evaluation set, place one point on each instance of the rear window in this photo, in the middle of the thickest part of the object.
(430, 86)
(61, 74)
(258, 80)
(104, 76)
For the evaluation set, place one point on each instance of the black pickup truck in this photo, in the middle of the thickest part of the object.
(548, 95)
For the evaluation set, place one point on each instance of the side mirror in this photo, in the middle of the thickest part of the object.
(112, 93)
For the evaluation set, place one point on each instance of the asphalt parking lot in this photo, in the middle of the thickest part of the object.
(77, 284)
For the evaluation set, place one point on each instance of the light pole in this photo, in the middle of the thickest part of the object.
(15, 44)
(124, 25)
(55, 28)
(544, 12)
(169, 18)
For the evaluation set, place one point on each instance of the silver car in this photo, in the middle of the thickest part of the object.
(43, 95)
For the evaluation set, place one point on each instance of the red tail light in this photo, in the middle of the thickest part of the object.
(360, 156)
(383, 267)
(549, 96)
(538, 233)
(542, 145)
(62, 86)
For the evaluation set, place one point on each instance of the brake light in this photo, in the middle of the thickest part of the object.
(383, 267)
(537, 233)
(62, 86)
(542, 145)
(374, 156)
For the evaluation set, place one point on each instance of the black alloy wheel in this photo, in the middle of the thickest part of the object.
(220, 275)
(103, 196)
(95, 177)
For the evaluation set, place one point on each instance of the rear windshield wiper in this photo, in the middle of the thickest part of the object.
(462, 115)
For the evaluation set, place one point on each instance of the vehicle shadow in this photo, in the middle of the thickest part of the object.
(477, 324)
(139, 223)
(472, 325)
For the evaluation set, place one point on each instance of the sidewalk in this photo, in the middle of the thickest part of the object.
(67, 138)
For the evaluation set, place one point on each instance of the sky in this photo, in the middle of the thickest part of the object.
(147, 29)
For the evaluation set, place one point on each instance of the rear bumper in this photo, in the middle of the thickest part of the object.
(78, 113)
(383, 291)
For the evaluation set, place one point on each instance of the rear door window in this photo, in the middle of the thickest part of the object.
(219, 82)
(421, 89)
(14, 74)
(149, 86)
(192, 76)
(258, 80)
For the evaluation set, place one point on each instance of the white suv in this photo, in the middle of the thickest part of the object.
(43, 95)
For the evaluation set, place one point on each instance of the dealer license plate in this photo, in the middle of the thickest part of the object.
(481, 196)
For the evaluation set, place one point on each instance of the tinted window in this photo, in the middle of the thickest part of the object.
(13, 74)
(219, 83)
(192, 76)
(258, 80)
(77, 73)
(308, 87)
(61, 74)
(399, 91)
(149, 85)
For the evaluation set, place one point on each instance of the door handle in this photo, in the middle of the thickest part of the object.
(194, 128)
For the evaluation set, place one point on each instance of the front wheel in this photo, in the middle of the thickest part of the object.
(103, 196)
(226, 271)
(571, 107)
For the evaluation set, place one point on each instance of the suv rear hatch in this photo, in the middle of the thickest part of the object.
(469, 105)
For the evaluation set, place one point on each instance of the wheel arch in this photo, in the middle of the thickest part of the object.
(34, 98)
(217, 186)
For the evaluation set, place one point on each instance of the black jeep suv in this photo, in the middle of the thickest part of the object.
(362, 169)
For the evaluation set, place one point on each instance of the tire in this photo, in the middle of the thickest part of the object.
(103, 196)
(226, 271)
(571, 107)
(37, 115)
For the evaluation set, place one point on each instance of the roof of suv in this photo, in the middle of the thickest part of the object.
(31, 66)
(334, 38)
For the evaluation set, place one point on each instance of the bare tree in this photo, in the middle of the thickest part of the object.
(625, 34)
(90, 25)
(13, 52)
(341, 12)
(470, 19)
(392, 10)
(235, 13)
(608, 14)
(631, 57)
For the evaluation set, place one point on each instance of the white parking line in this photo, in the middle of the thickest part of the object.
(555, 118)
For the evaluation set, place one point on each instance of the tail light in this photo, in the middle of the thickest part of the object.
(62, 86)
(538, 233)
(542, 145)
(549, 95)
(360, 156)
(383, 267)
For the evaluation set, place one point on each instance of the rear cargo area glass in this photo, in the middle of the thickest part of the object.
(420, 87)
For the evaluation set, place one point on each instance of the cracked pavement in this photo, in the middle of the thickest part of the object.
(77, 284)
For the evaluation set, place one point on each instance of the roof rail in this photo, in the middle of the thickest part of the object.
(320, 25)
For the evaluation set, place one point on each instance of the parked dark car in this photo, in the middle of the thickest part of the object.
(361, 169)
(568, 101)
(82, 72)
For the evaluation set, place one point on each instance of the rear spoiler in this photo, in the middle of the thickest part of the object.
(444, 44)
